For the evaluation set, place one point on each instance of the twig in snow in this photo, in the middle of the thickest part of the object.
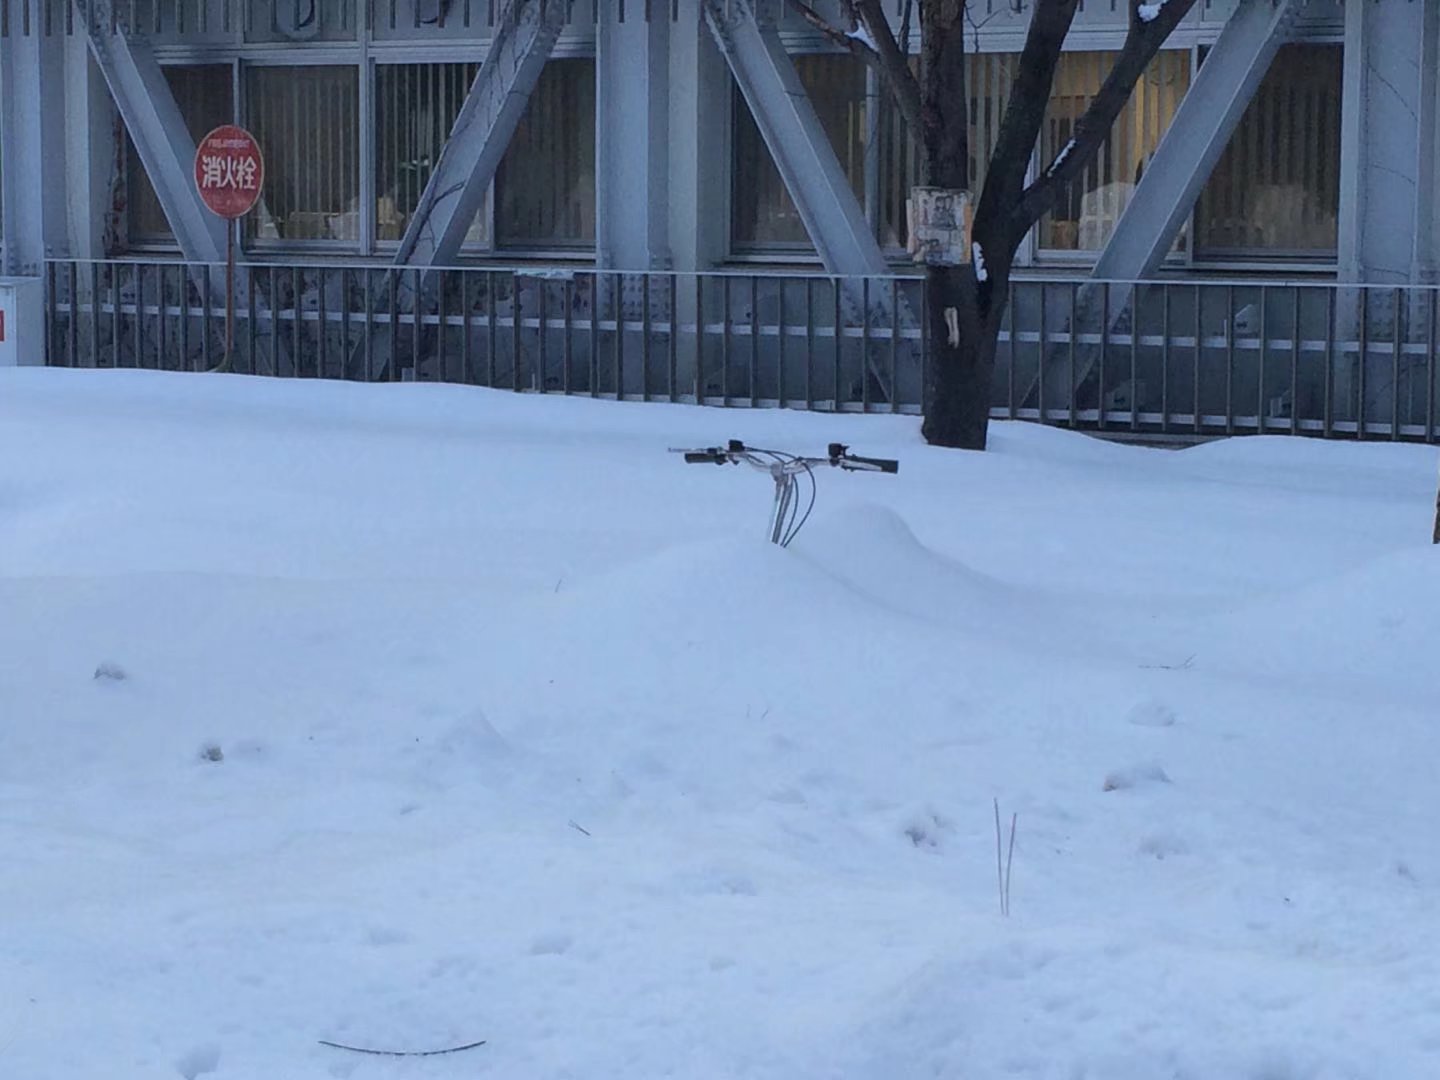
(401, 1053)
(1009, 858)
(1183, 666)
(580, 828)
(999, 873)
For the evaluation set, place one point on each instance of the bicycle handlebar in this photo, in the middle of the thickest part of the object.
(868, 464)
(713, 456)
(837, 454)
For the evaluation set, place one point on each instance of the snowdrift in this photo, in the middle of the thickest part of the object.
(406, 717)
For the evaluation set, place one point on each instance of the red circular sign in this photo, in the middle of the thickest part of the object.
(229, 171)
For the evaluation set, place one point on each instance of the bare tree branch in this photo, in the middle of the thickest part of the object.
(1020, 127)
(833, 33)
(1150, 24)
(894, 64)
(978, 26)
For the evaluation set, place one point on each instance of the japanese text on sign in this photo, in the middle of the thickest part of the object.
(228, 172)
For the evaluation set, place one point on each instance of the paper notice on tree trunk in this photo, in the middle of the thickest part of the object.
(938, 221)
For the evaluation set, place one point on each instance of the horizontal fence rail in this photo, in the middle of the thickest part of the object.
(1175, 359)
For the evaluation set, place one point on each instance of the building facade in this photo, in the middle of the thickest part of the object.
(1286, 140)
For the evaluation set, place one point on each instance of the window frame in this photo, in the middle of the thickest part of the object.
(312, 246)
(1030, 255)
(365, 52)
(1283, 261)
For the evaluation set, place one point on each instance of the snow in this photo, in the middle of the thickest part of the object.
(981, 274)
(1062, 155)
(404, 717)
(1148, 12)
(861, 34)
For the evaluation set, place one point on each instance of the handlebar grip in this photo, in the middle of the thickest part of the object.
(704, 457)
(885, 465)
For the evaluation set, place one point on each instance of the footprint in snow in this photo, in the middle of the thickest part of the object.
(1151, 714)
(1136, 776)
(552, 944)
(199, 1060)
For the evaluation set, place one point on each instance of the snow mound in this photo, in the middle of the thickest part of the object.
(872, 549)
(1377, 623)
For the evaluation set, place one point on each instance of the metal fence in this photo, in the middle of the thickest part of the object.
(338, 20)
(1161, 359)
(1211, 358)
(288, 20)
(721, 339)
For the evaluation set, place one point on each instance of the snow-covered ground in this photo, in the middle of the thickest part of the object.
(432, 633)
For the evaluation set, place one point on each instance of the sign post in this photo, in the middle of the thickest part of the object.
(229, 173)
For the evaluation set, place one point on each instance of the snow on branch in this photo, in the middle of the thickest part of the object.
(1153, 22)
(1147, 12)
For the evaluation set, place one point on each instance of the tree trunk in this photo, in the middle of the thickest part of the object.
(961, 367)
(957, 390)
(964, 304)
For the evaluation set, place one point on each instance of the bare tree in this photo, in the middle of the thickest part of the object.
(971, 298)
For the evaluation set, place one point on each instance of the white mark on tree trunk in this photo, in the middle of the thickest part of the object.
(981, 274)
(952, 325)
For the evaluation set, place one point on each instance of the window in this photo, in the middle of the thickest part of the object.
(763, 214)
(1276, 190)
(545, 186)
(307, 121)
(989, 76)
(204, 96)
(1088, 209)
(415, 108)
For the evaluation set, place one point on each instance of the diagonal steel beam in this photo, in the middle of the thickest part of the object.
(1211, 109)
(167, 151)
(787, 120)
(1209, 112)
(158, 131)
(813, 176)
(482, 131)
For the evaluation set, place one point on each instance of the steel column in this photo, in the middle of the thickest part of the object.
(32, 133)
